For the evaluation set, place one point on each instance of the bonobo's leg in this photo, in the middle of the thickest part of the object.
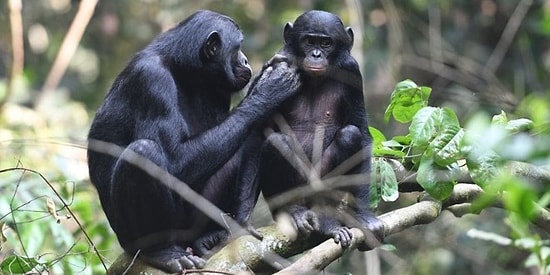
(348, 142)
(144, 210)
(282, 170)
(248, 186)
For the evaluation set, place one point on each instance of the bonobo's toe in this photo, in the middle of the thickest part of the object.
(343, 236)
(172, 259)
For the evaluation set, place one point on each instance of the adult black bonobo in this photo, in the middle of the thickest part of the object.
(319, 136)
(170, 105)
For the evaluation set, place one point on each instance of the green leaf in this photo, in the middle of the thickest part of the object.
(500, 119)
(404, 140)
(515, 125)
(18, 264)
(437, 182)
(377, 137)
(387, 152)
(483, 168)
(388, 182)
(440, 126)
(384, 180)
(406, 99)
(447, 145)
(520, 198)
(519, 125)
(380, 146)
(424, 126)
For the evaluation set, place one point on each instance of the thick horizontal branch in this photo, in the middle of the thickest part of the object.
(317, 258)
(249, 254)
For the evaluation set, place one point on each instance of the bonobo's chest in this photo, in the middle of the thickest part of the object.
(316, 110)
(316, 105)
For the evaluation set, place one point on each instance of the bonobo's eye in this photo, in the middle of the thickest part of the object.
(308, 40)
(326, 42)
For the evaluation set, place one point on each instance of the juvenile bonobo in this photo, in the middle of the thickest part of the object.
(319, 135)
(170, 105)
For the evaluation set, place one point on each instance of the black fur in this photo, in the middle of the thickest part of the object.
(329, 110)
(171, 106)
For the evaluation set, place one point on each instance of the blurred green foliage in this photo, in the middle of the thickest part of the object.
(467, 52)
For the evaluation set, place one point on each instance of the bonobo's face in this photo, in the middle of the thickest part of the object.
(317, 38)
(241, 69)
(316, 48)
(222, 53)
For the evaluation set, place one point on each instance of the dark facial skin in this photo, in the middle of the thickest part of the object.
(316, 40)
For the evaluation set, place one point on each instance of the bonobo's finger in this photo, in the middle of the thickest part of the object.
(342, 236)
(313, 220)
(197, 261)
(267, 72)
(173, 266)
(345, 237)
(254, 232)
(304, 228)
(191, 262)
(201, 249)
(276, 59)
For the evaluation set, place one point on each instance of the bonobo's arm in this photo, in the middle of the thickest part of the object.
(198, 157)
(248, 188)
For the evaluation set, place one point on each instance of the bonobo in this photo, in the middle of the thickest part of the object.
(170, 105)
(319, 136)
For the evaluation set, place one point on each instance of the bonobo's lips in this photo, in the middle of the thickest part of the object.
(315, 69)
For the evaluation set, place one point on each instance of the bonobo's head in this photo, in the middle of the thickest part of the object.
(208, 45)
(317, 39)
(222, 50)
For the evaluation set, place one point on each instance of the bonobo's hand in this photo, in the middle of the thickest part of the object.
(305, 221)
(277, 58)
(277, 82)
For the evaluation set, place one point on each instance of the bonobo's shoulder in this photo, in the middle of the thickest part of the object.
(147, 63)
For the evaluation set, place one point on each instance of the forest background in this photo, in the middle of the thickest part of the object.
(479, 57)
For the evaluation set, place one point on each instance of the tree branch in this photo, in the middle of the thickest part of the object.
(249, 254)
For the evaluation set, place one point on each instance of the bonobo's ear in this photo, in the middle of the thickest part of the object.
(288, 30)
(350, 34)
(212, 45)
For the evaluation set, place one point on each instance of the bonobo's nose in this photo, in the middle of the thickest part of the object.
(316, 53)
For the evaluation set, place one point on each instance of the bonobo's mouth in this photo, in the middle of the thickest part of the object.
(314, 70)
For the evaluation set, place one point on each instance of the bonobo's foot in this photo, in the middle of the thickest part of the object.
(374, 233)
(208, 242)
(341, 235)
(305, 220)
(172, 259)
(332, 228)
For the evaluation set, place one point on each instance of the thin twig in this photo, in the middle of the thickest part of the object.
(507, 36)
(68, 48)
(18, 51)
(65, 205)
